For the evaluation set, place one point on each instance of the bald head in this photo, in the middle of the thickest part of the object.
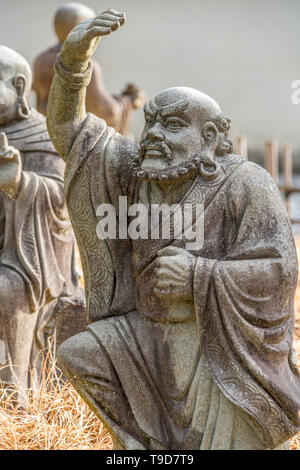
(15, 84)
(70, 15)
(180, 124)
(13, 64)
(195, 105)
(182, 97)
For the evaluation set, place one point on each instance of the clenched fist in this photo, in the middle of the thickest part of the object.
(174, 270)
(82, 41)
(10, 167)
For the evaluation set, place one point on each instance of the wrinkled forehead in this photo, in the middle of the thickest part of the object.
(178, 107)
(188, 103)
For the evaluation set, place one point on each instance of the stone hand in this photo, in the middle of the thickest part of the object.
(173, 270)
(82, 41)
(10, 167)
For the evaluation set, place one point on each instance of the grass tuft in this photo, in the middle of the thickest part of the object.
(54, 417)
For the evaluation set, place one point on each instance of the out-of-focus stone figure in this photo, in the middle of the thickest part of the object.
(115, 110)
(189, 345)
(38, 273)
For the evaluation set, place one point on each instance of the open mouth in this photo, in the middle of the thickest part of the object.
(153, 151)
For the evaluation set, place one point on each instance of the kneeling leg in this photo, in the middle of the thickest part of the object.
(87, 366)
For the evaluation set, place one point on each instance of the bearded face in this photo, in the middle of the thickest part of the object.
(170, 137)
(172, 144)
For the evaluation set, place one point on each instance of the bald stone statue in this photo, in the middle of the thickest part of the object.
(115, 110)
(189, 346)
(37, 263)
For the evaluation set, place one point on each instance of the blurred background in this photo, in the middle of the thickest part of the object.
(245, 54)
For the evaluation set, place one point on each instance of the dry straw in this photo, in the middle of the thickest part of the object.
(53, 417)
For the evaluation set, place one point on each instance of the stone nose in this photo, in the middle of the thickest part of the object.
(155, 133)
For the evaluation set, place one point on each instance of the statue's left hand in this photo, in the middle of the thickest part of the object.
(10, 166)
(174, 270)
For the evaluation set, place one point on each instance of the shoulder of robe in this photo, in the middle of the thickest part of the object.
(31, 138)
(252, 187)
(30, 135)
(252, 178)
(122, 153)
(122, 147)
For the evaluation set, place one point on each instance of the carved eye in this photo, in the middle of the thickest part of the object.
(173, 124)
(149, 121)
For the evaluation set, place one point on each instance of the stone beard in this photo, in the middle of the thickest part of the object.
(200, 164)
(197, 165)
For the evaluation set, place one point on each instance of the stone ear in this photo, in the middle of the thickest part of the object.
(19, 83)
(210, 133)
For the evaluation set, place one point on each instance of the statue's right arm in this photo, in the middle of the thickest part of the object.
(65, 112)
(66, 104)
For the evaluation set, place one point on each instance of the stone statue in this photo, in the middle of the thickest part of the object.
(115, 110)
(37, 263)
(186, 348)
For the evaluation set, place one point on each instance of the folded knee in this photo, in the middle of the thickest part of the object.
(73, 354)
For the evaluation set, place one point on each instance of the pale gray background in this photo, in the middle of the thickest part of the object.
(243, 53)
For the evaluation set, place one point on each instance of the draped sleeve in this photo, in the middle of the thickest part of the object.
(98, 171)
(244, 304)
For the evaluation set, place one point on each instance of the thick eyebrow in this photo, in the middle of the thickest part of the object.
(151, 108)
(174, 108)
(147, 110)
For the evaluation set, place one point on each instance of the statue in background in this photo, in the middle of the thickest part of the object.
(38, 274)
(115, 110)
(187, 347)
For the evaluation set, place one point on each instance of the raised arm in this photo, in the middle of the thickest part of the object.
(66, 105)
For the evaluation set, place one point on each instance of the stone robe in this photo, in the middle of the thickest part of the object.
(215, 373)
(37, 251)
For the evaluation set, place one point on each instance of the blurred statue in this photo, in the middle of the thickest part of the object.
(189, 345)
(115, 110)
(37, 264)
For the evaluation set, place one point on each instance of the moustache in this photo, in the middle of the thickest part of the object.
(160, 146)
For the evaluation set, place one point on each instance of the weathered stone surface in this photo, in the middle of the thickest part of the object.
(115, 110)
(69, 317)
(37, 267)
(187, 347)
